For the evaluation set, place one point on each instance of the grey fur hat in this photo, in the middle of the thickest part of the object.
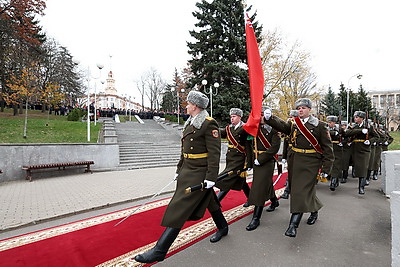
(344, 123)
(331, 118)
(197, 98)
(303, 102)
(293, 113)
(360, 114)
(236, 111)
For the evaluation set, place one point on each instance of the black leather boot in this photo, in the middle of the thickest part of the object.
(345, 174)
(361, 184)
(246, 191)
(295, 219)
(160, 250)
(286, 193)
(368, 177)
(333, 185)
(274, 204)
(375, 175)
(222, 226)
(313, 218)
(255, 221)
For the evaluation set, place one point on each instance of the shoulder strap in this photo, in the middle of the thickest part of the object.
(309, 136)
(232, 140)
(263, 139)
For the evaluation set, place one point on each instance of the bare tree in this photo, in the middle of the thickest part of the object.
(288, 75)
(152, 86)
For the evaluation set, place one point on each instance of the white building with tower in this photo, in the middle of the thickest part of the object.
(109, 98)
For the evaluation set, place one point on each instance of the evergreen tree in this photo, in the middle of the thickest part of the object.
(342, 101)
(330, 104)
(218, 54)
(363, 101)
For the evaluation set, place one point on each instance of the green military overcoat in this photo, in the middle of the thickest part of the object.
(336, 136)
(303, 168)
(262, 187)
(200, 135)
(360, 150)
(236, 159)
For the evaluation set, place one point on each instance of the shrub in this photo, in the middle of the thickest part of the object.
(76, 114)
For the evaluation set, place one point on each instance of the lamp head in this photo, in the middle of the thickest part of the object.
(204, 82)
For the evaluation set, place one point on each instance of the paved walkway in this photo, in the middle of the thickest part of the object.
(352, 230)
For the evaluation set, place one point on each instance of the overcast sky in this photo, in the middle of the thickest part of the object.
(344, 37)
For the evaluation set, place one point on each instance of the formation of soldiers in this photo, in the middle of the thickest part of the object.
(313, 151)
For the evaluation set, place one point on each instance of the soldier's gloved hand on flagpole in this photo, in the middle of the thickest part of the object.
(176, 176)
(364, 131)
(324, 175)
(386, 143)
(256, 162)
(283, 161)
(267, 113)
(208, 184)
(367, 142)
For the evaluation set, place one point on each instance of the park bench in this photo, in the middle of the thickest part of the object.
(29, 168)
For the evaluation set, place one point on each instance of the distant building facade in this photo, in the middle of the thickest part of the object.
(387, 104)
(109, 99)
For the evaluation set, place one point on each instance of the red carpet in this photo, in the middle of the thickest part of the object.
(96, 241)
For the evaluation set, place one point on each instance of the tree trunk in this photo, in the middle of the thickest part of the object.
(15, 109)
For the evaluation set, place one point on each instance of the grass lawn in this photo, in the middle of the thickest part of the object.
(58, 129)
(395, 145)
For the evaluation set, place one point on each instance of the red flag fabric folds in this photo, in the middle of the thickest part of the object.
(256, 79)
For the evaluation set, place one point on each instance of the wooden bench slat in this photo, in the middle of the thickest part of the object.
(55, 165)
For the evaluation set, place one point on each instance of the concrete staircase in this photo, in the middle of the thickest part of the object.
(147, 145)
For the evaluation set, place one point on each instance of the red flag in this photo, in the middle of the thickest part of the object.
(256, 79)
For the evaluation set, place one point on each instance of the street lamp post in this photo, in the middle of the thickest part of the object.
(99, 66)
(210, 91)
(177, 99)
(359, 76)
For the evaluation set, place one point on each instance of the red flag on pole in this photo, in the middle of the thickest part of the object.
(256, 79)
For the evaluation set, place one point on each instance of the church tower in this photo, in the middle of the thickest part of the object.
(110, 86)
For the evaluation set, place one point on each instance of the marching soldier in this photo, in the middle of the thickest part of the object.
(286, 147)
(346, 159)
(384, 140)
(236, 158)
(311, 152)
(265, 146)
(199, 163)
(336, 136)
(374, 140)
(360, 134)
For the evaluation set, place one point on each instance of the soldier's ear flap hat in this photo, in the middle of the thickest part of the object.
(331, 118)
(303, 102)
(294, 113)
(236, 111)
(360, 114)
(344, 123)
(197, 98)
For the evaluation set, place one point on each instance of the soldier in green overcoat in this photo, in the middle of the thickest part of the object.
(311, 153)
(336, 136)
(374, 140)
(237, 156)
(346, 153)
(265, 146)
(286, 147)
(360, 134)
(199, 163)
